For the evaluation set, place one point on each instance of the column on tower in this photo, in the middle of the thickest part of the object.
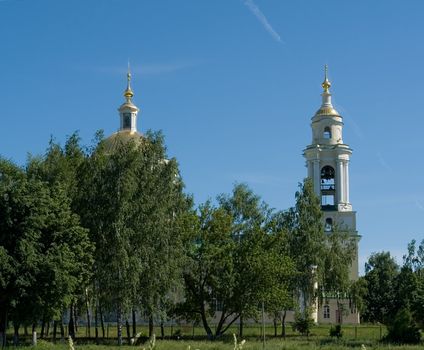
(339, 187)
(310, 169)
(317, 178)
(347, 181)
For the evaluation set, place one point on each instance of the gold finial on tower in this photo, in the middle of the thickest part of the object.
(326, 83)
(128, 93)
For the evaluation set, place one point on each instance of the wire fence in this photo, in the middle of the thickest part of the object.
(194, 331)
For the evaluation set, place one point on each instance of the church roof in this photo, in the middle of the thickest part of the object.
(122, 137)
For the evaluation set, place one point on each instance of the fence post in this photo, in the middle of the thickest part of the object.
(356, 332)
(107, 331)
(380, 332)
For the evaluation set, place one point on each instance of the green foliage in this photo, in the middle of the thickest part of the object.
(309, 246)
(303, 322)
(131, 199)
(358, 292)
(336, 331)
(45, 252)
(235, 259)
(380, 276)
(403, 329)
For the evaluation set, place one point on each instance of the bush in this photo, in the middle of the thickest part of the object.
(303, 323)
(336, 331)
(403, 329)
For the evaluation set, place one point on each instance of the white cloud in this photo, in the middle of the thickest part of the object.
(262, 19)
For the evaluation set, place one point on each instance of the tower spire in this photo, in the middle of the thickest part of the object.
(128, 93)
(326, 83)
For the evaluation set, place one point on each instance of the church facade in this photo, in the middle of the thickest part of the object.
(327, 162)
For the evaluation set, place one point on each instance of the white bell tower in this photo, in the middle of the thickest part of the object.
(327, 160)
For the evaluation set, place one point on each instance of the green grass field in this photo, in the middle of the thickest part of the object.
(272, 344)
(188, 336)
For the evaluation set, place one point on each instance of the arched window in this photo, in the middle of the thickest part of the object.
(328, 188)
(327, 133)
(328, 227)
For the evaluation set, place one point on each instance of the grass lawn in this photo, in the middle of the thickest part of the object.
(273, 344)
(353, 338)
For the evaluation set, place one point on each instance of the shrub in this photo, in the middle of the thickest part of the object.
(403, 329)
(303, 323)
(336, 331)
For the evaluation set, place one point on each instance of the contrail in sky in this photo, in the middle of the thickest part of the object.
(261, 17)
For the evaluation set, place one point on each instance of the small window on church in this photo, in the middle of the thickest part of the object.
(328, 227)
(127, 121)
(326, 311)
(327, 133)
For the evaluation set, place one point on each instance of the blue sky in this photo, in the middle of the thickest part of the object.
(233, 85)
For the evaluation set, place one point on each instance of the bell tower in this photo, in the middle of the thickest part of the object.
(327, 161)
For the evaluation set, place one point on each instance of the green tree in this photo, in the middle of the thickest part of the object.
(306, 240)
(132, 199)
(209, 273)
(234, 261)
(43, 242)
(309, 246)
(60, 166)
(381, 271)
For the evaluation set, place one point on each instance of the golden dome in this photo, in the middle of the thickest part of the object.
(122, 137)
(327, 111)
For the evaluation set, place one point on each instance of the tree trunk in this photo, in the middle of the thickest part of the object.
(205, 322)
(26, 330)
(119, 324)
(75, 320)
(283, 324)
(43, 327)
(241, 326)
(134, 324)
(87, 305)
(71, 325)
(127, 324)
(62, 331)
(34, 335)
(54, 331)
(102, 323)
(96, 324)
(162, 331)
(48, 329)
(275, 327)
(15, 333)
(3, 326)
(151, 325)
(339, 309)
